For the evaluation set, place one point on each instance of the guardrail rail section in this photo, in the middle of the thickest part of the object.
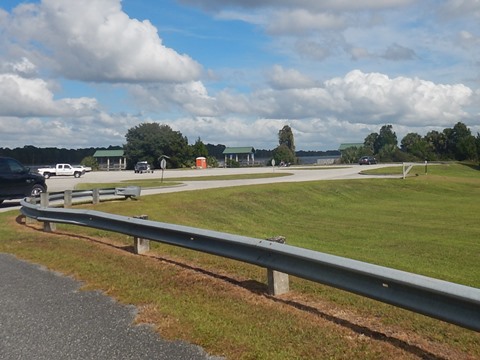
(450, 302)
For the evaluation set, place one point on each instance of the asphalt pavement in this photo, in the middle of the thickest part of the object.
(44, 316)
(295, 174)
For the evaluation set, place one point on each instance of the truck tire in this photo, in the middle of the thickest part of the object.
(46, 175)
(77, 174)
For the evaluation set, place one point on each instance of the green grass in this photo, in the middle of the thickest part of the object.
(450, 169)
(427, 224)
(356, 219)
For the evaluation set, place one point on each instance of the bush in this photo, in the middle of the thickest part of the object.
(212, 161)
(232, 163)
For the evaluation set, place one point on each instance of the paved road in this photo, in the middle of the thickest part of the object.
(44, 316)
(298, 174)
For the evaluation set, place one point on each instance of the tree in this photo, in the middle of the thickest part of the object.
(90, 161)
(212, 161)
(199, 149)
(410, 141)
(285, 137)
(383, 144)
(477, 142)
(370, 141)
(385, 137)
(462, 143)
(149, 141)
(285, 151)
(437, 142)
(416, 146)
(351, 154)
(283, 154)
(216, 150)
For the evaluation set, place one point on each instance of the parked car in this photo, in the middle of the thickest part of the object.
(17, 181)
(142, 167)
(367, 160)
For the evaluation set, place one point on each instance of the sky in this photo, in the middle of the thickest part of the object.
(80, 74)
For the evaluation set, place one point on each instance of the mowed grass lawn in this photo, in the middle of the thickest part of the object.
(426, 224)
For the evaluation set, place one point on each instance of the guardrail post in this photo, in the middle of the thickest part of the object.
(140, 245)
(67, 198)
(278, 282)
(47, 225)
(95, 196)
(29, 220)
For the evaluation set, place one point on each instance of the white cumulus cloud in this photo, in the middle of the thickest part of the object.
(301, 21)
(374, 97)
(281, 78)
(32, 97)
(357, 97)
(94, 40)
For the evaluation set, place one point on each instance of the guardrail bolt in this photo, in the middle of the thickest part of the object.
(140, 245)
(278, 282)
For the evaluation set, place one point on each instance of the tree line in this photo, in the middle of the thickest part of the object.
(149, 142)
(34, 156)
(457, 143)
(152, 141)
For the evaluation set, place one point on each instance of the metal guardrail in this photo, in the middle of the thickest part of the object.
(82, 194)
(450, 302)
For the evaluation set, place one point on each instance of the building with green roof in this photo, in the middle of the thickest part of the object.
(111, 159)
(240, 154)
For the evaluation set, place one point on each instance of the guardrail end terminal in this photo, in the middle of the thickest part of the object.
(130, 192)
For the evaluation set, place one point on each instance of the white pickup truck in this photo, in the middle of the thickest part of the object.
(61, 170)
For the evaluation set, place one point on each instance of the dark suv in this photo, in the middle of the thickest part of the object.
(16, 181)
(142, 167)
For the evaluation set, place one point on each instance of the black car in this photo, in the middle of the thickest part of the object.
(367, 160)
(16, 181)
(142, 167)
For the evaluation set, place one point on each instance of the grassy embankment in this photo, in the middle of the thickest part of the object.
(424, 224)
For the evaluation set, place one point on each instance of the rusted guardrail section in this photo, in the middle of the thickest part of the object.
(450, 302)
